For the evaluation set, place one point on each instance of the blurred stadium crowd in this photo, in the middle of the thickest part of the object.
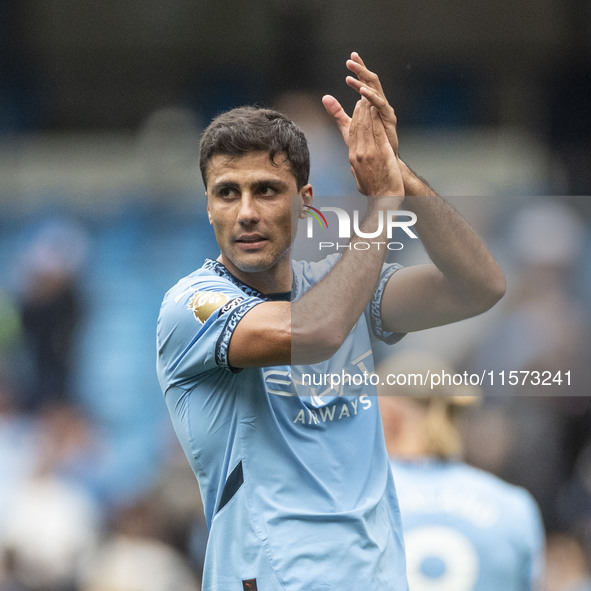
(95, 493)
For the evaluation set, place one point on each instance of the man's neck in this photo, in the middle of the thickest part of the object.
(277, 280)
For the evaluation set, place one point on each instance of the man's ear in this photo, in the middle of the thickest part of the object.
(209, 216)
(306, 193)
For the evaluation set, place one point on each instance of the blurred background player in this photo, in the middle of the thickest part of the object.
(464, 529)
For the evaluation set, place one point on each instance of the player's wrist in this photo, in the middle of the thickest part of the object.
(408, 178)
(414, 185)
(390, 199)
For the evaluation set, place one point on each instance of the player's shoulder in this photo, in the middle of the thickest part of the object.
(212, 277)
(509, 494)
(458, 474)
(518, 508)
(206, 290)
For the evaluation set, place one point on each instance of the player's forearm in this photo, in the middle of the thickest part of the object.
(324, 316)
(458, 252)
(414, 185)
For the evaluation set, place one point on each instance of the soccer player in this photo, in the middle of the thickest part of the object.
(465, 529)
(295, 481)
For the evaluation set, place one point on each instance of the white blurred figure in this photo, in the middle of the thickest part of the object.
(464, 529)
(149, 565)
(51, 529)
(50, 523)
(18, 448)
(135, 557)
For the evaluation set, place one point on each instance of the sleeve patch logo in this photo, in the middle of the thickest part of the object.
(205, 303)
(231, 305)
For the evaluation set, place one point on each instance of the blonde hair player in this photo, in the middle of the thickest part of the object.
(464, 529)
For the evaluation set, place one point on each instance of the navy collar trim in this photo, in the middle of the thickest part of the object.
(220, 270)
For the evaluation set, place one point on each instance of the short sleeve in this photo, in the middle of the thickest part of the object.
(195, 326)
(375, 307)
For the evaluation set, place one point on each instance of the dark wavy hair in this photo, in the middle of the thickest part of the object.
(253, 129)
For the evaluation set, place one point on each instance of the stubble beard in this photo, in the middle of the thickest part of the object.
(259, 263)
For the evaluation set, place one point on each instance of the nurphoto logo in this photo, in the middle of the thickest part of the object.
(317, 215)
(347, 227)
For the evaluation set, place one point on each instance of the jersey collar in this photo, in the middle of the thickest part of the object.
(220, 270)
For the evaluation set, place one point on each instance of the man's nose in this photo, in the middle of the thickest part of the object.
(248, 212)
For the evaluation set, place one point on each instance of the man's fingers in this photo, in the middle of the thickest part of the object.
(367, 84)
(375, 97)
(379, 131)
(365, 140)
(354, 83)
(336, 111)
(378, 100)
(354, 124)
(332, 106)
(365, 75)
(357, 58)
(359, 131)
(365, 121)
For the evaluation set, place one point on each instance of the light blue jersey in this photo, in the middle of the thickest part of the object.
(467, 530)
(297, 490)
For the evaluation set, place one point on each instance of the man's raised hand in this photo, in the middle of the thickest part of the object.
(373, 162)
(368, 85)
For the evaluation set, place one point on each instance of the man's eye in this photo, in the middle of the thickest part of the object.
(227, 193)
(267, 191)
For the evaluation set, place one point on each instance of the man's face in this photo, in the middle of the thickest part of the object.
(249, 202)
